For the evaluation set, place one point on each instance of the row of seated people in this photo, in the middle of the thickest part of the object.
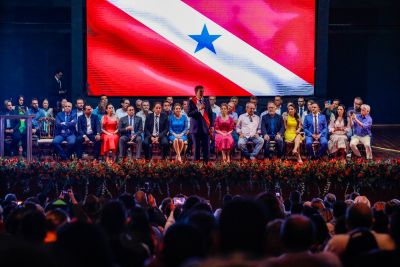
(229, 129)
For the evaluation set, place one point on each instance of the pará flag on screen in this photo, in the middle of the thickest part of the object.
(166, 47)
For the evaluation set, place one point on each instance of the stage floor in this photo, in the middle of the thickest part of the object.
(386, 141)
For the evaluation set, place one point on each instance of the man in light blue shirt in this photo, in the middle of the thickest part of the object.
(362, 124)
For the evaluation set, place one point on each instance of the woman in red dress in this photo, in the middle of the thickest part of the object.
(224, 126)
(110, 137)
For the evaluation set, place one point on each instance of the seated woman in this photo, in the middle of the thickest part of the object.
(293, 129)
(339, 126)
(178, 128)
(224, 125)
(109, 136)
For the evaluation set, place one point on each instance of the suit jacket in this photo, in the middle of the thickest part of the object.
(124, 122)
(240, 110)
(15, 123)
(68, 128)
(308, 125)
(279, 124)
(197, 121)
(94, 122)
(74, 112)
(163, 125)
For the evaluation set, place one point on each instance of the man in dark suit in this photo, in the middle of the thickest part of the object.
(88, 131)
(11, 129)
(201, 123)
(57, 89)
(155, 131)
(130, 128)
(316, 129)
(272, 128)
(65, 130)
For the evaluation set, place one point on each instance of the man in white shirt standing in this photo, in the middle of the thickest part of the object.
(247, 129)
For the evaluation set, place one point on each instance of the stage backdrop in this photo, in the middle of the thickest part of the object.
(166, 47)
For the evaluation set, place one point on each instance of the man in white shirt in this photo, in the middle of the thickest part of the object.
(216, 109)
(122, 112)
(145, 111)
(247, 126)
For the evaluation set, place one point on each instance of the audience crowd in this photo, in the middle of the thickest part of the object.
(197, 122)
(135, 230)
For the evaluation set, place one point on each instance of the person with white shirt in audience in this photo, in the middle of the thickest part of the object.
(122, 111)
(144, 112)
(216, 109)
(247, 126)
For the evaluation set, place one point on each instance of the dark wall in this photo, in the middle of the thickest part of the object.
(364, 55)
(34, 41)
(363, 51)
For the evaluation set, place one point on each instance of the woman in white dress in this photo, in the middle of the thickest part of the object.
(339, 126)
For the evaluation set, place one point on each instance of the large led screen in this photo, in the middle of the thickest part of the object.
(231, 47)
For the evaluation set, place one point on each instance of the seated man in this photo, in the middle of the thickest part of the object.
(247, 126)
(155, 131)
(11, 129)
(65, 130)
(316, 129)
(272, 128)
(361, 124)
(130, 129)
(38, 113)
(88, 131)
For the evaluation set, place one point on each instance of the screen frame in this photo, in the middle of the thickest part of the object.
(79, 53)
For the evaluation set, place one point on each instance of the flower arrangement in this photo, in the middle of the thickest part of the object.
(360, 173)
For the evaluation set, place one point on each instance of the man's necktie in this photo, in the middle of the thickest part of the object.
(131, 124)
(301, 112)
(315, 125)
(157, 128)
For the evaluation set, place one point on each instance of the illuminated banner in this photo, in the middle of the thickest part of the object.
(166, 47)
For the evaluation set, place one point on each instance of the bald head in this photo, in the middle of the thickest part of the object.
(359, 215)
(297, 233)
(67, 107)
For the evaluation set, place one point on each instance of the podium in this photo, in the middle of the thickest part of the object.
(28, 119)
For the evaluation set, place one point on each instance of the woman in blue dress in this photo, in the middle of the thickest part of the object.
(178, 128)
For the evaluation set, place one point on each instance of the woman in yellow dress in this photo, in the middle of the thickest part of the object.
(293, 129)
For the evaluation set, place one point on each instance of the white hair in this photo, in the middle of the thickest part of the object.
(367, 107)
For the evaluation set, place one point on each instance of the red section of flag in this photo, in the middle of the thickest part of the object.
(284, 30)
(126, 58)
